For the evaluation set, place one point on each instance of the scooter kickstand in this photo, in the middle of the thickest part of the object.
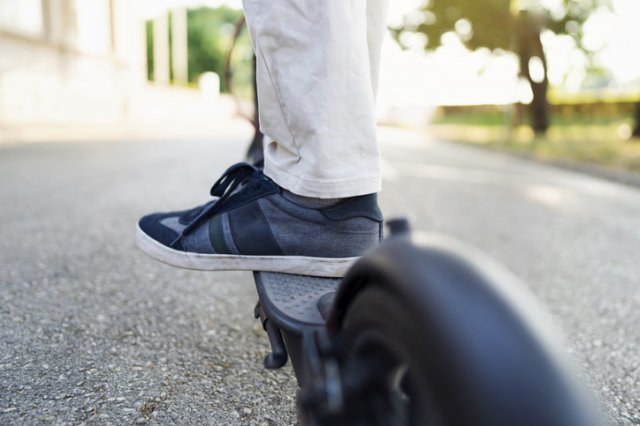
(278, 356)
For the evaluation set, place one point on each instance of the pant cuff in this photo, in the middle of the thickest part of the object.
(323, 189)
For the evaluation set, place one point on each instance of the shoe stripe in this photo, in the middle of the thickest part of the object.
(216, 236)
(228, 236)
(251, 231)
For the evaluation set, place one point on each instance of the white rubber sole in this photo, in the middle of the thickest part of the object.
(300, 265)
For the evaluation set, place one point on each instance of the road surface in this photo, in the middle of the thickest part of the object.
(92, 330)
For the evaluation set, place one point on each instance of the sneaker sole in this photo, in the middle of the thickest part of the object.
(299, 265)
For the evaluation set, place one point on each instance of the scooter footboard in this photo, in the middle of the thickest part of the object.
(291, 306)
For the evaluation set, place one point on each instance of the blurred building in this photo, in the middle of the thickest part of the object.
(84, 62)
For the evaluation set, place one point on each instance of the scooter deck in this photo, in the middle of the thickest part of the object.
(295, 301)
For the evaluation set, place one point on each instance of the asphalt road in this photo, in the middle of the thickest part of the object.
(92, 330)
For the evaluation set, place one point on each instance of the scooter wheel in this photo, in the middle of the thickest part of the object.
(384, 373)
(400, 369)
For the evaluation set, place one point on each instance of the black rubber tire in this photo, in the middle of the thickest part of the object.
(378, 327)
(377, 316)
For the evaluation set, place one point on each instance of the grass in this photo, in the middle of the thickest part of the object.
(603, 141)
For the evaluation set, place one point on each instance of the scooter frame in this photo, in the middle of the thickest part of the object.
(502, 368)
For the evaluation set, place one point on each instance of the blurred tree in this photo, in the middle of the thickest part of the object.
(209, 36)
(149, 35)
(505, 25)
(636, 117)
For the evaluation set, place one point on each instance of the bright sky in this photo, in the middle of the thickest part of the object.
(454, 75)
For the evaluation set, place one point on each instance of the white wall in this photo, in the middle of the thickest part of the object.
(83, 67)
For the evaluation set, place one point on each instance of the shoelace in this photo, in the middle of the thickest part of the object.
(224, 187)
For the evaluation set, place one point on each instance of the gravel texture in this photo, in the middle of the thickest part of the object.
(93, 331)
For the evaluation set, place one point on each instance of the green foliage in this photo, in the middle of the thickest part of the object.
(149, 35)
(493, 24)
(210, 33)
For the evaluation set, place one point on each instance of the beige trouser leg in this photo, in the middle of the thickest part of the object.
(317, 74)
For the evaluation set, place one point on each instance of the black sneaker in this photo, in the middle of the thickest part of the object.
(253, 225)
